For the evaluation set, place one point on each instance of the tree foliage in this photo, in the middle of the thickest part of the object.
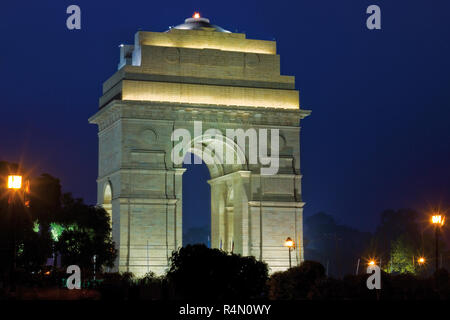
(337, 245)
(197, 272)
(296, 283)
(402, 255)
(52, 223)
(86, 232)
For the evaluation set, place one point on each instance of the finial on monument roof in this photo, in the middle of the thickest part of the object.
(197, 22)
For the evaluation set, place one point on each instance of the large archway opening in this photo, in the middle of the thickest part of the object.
(208, 189)
(196, 202)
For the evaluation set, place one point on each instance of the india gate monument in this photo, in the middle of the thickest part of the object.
(195, 74)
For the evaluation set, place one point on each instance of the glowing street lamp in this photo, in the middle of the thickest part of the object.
(421, 261)
(438, 221)
(291, 245)
(14, 182)
(371, 263)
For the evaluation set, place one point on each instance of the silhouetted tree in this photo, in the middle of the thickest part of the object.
(45, 208)
(340, 246)
(197, 272)
(45, 201)
(51, 221)
(15, 220)
(296, 283)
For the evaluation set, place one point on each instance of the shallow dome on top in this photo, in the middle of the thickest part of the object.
(199, 23)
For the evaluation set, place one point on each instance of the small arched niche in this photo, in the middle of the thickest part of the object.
(107, 200)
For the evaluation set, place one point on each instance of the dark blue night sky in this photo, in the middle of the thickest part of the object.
(379, 132)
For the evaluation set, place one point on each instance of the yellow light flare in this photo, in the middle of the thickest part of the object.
(14, 182)
(371, 262)
(437, 219)
(421, 260)
(27, 186)
(196, 15)
(289, 243)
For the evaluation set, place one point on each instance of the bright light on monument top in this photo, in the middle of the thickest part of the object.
(196, 15)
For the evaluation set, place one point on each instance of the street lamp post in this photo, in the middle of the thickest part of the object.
(438, 221)
(14, 185)
(291, 245)
(436, 238)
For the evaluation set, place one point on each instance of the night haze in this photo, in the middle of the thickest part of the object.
(378, 136)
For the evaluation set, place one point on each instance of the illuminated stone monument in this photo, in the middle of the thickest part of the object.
(169, 80)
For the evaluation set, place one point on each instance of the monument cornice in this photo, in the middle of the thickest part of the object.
(281, 204)
(193, 112)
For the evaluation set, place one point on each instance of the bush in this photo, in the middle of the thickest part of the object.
(151, 287)
(297, 282)
(116, 286)
(197, 272)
